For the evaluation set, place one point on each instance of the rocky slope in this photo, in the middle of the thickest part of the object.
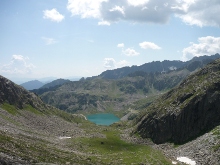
(187, 111)
(28, 126)
(32, 132)
(17, 96)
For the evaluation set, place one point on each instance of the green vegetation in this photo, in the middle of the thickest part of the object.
(101, 145)
(110, 149)
(216, 133)
(35, 150)
(216, 147)
(32, 109)
(9, 108)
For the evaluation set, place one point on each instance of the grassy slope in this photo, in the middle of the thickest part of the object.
(21, 140)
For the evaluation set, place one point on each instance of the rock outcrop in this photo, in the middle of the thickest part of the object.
(17, 95)
(187, 111)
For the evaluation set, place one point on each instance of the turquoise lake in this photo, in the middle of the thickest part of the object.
(103, 118)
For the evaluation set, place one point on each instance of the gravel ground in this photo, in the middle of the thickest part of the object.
(204, 150)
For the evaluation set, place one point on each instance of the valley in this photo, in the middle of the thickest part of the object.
(30, 138)
(109, 82)
(165, 118)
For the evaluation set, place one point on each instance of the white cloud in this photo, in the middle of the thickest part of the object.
(121, 45)
(198, 12)
(104, 23)
(192, 12)
(138, 2)
(118, 9)
(207, 46)
(108, 11)
(18, 65)
(149, 45)
(53, 15)
(109, 63)
(122, 63)
(130, 52)
(49, 41)
(136, 11)
(85, 8)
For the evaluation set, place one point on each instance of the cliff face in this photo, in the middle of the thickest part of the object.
(187, 111)
(17, 95)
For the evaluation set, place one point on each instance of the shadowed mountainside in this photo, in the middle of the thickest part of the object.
(186, 111)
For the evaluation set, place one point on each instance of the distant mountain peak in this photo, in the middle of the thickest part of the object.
(34, 84)
(155, 66)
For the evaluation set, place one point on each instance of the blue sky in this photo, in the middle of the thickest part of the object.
(68, 38)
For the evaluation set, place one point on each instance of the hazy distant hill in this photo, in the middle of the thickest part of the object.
(156, 66)
(34, 84)
(50, 86)
(55, 83)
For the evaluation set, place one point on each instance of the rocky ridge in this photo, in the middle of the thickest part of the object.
(119, 94)
(159, 66)
(187, 111)
(17, 95)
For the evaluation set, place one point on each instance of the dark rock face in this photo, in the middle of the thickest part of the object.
(186, 111)
(17, 95)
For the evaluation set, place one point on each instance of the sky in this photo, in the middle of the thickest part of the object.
(83, 38)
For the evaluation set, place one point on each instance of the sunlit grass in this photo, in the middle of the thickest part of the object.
(112, 150)
(9, 108)
(32, 109)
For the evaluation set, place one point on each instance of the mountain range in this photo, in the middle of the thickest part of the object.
(103, 94)
(156, 66)
(169, 110)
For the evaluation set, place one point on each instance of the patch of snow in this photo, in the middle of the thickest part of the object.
(83, 116)
(186, 160)
(173, 68)
(64, 137)
(174, 162)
